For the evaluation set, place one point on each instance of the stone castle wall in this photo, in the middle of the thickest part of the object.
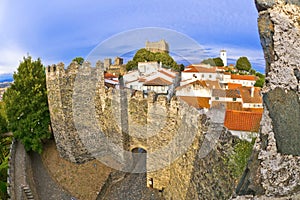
(185, 147)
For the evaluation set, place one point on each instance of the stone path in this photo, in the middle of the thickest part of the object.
(19, 170)
(46, 188)
(132, 186)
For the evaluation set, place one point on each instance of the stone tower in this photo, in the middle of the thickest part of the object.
(160, 46)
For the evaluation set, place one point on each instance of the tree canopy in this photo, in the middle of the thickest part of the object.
(79, 60)
(213, 61)
(243, 64)
(260, 82)
(3, 121)
(143, 55)
(27, 105)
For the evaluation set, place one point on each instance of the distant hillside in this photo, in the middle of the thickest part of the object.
(6, 78)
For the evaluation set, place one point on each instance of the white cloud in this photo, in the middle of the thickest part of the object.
(10, 58)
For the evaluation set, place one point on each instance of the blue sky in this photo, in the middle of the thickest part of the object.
(57, 31)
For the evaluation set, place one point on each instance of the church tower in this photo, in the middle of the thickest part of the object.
(223, 56)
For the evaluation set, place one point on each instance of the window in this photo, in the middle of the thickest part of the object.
(210, 76)
(202, 75)
(216, 98)
(234, 99)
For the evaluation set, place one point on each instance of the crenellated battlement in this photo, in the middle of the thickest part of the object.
(90, 121)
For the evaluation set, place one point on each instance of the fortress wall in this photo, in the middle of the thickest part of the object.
(203, 171)
(185, 158)
(274, 169)
(60, 84)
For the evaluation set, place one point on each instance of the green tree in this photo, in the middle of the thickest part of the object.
(79, 60)
(208, 61)
(261, 81)
(3, 121)
(143, 55)
(27, 105)
(5, 141)
(213, 61)
(131, 65)
(243, 64)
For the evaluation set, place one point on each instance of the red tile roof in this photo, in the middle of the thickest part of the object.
(197, 102)
(231, 93)
(109, 75)
(234, 85)
(213, 84)
(199, 69)
(157, 82)
(246, 95)
(244, 77)
(197, 82)
(242, 121)
(228, 105)
(166, 73)
(256, 110)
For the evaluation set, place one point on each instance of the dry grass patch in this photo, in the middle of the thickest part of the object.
(83, 181)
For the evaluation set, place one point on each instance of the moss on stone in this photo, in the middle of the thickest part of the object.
(239, 158)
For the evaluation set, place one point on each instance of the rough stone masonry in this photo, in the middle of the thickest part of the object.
(274, 168)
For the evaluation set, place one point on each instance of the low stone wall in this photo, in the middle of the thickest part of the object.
(20, 180)
(10, 171)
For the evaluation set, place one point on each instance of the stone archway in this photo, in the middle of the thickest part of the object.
(139, 160)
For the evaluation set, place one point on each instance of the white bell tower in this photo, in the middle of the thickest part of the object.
(223, 56)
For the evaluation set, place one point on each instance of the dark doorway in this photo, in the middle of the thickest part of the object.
(139, 160)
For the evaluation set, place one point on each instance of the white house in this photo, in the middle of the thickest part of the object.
(151, 76)
(197, 88)
(252, 97)
(199, 72)
(244, 80)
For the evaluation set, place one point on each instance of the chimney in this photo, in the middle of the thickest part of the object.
(252, 91)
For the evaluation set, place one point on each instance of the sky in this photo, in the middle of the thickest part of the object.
(58, 31)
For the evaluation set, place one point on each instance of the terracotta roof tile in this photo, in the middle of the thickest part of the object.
(197, 102)
(244, 77)
(230, 93)
(157, 82)
(197, 82)
(228, 105)
(199, 69)
(167, 74)
(109, 75)
(246, 95)
(234, 85)
(256, 110)
(213, 84)
(242, 121)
